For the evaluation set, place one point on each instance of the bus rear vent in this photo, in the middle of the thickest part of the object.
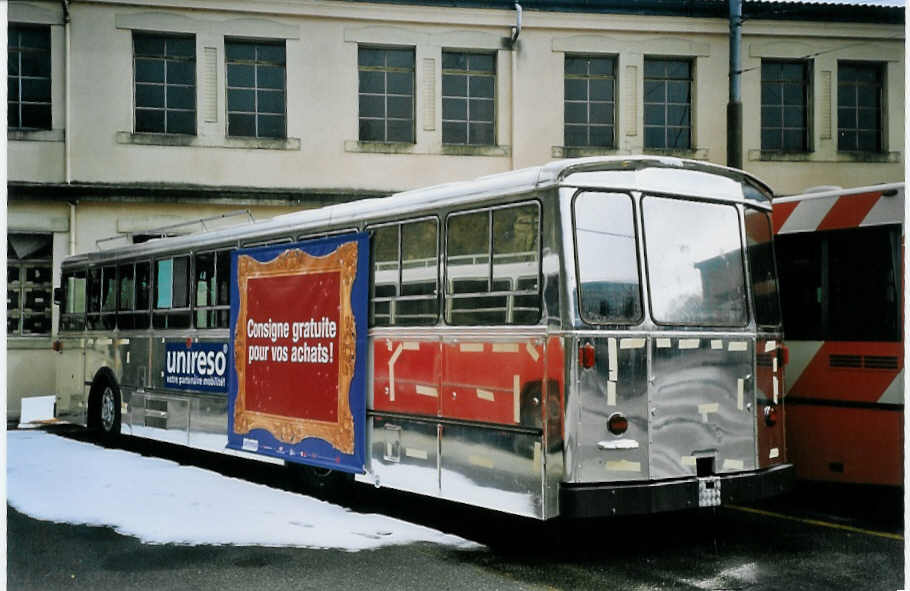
(863, 361)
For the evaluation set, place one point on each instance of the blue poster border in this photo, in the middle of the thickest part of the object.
(312, 451)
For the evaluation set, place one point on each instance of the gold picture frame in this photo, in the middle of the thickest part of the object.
(292, 430)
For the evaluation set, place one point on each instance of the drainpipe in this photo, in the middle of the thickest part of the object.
(513, 44)
(67, 144)
(735, 105)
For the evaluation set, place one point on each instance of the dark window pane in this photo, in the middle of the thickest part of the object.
(601, 90)
(602, 135)
(147, 45)
(181, 47)
(370, 57)
(454, 133)
(240, 75)
(149, 70)
(576, 66)
(480, 62)
(771, 94)
(794, 139)
(271, 101)
(480, 134)
(678, 92)
(868, 141)
(655, 69)
(793, 94)
(270, 77)
(400, 83)
(481, 110)
(372, 106)
(868, 97)
(576, 135)
(678, 138)
(273, 54)
(576, 90)
(239, 51)
(454, 85)
(678, 70)
(401, 130)
(454, 61)
(846, 96)
(12, 115)
(400, 58)
(372, 81)
(400, 107)
(36, 116)
(454, 108)
(655, 92)
(241, 100)
(372, 130)
(35, 38)
(771, 117)
(181, 122)
(576, 113)
(794, 117)
(150, 95)
(271, 126)
(602, 66)
(181, 72)
(655, 137)
(481, 86)
(241, 125)
(655, 115)
(677, 115)
(12, 64)
(36, 63)
(35, 90)
(181, 97)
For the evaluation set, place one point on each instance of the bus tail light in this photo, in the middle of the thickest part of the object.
(617, 424)
(586, 356)
(771, 415)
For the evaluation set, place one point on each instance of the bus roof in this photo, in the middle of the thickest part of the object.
(641, 173)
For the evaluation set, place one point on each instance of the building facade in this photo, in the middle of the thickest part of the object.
(125, 117)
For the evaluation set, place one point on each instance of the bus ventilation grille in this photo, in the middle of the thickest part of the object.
(863, 361)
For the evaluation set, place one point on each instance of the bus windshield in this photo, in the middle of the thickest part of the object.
(695, 262)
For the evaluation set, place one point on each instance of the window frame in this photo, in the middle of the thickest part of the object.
(588, 77)
(18, 28)
(212, 310)
(511, 293)
(165, 84)
(806, 87)
(469, 74)
(165, 317)
(255, 63)
(666, 127)
(22, 286)
(881, 85)
(386, 69)
(639, 259)
(73, 321)
(392, 300)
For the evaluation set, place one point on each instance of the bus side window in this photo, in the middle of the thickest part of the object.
(143, 295)
(493, 266)
(93, 288)
(172, 293)
(109, 297)
(72, 315)
(127, 274)
(405, 274)
(213, 289)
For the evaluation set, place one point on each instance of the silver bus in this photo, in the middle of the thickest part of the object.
(592, 337)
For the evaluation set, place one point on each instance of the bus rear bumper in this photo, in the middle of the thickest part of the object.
(603, 500)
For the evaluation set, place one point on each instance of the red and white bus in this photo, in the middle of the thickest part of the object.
(839, 253)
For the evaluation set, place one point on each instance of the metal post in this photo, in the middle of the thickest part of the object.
(734, 105)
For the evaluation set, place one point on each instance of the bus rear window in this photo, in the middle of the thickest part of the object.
(609, 284)
(761, 267)
(695, 262)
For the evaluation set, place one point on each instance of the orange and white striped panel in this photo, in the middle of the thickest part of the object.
(833, 210)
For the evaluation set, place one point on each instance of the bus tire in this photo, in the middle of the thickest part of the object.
(322, 483)
(105, 410)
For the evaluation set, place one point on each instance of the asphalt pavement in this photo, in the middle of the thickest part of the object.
(819, 537)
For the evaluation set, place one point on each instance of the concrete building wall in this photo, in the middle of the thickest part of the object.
(93, 141)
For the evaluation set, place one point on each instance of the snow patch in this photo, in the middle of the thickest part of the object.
(161, 502)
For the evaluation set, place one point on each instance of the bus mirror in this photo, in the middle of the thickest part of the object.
(58, 295)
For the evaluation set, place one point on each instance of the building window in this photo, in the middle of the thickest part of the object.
(255, 89)
(784, 106)
(28, 278)
(468, 98)
(386, 93)
(165, 71)
(590, 101)
(859, 107)
(668, 103)
(29, 78)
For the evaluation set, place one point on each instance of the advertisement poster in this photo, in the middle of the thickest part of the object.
(196, 366)
(298, 336)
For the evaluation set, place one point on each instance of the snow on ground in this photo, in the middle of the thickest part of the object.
(161, 502)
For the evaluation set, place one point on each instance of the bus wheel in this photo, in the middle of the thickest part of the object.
(107, 410)
(322, 483)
